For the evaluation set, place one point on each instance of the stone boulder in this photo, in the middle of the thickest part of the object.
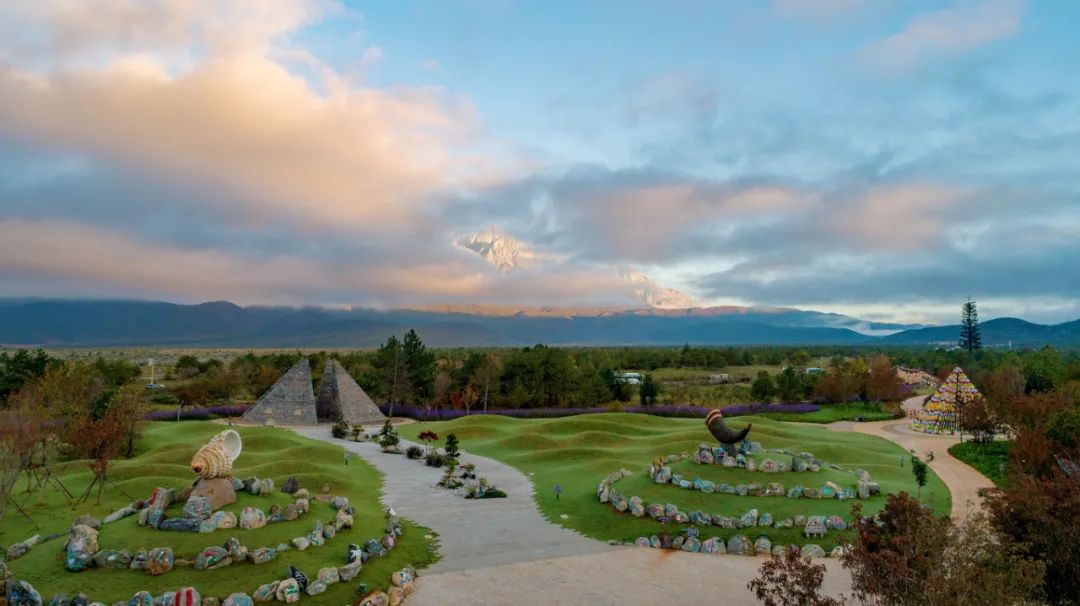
(81, 547)
(266, 592)
(262, 555)
(238, 599)
(740, 545)
(813, 551)
(763, 545)
(749, 519)
(159, 500)
(159, 561)
(252, 518)
(291, 485)
(288, 591)
(637, 507)
(212, 557)
(218, 492)
(141, 598)
(350, 571)
(187, 596)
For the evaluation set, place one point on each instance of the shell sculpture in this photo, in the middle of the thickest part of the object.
(724, 434)
(215, 459)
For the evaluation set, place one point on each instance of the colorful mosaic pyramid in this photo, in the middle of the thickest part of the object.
(940, 413)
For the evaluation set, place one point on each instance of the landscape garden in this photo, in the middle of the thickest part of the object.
(107, 498)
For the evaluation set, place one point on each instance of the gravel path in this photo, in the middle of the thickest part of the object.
(472, 533)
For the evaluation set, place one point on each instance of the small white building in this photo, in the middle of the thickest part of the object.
(814, 370)
(719, 378)
(630, 378)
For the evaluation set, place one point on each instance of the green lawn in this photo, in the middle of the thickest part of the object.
(161, 459)
(991, 460)
(578, 452)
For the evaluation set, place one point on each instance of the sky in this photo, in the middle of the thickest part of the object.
(886, 159)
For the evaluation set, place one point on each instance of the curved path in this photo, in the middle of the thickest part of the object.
(503, 551)
(964, 481)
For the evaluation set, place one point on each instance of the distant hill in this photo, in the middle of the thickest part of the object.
(999, 332)
(79, 323)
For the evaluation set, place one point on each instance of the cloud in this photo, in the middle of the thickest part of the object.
(963, 27)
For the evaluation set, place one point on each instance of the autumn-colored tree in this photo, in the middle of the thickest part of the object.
(791, 580)
(883, 383)
(977, 418)
(844, 381)
(1040, 515)
(908, 555)
(1001, 386)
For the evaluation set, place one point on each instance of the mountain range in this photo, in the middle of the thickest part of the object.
(109, 323)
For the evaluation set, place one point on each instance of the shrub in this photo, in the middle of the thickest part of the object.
(493, 493)
(435, 459)
(340, 430)
(414, 452)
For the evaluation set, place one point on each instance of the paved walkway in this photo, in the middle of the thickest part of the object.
(503, 552)
(964, 481)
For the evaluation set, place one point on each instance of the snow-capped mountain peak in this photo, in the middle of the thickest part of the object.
(654, 295)
(503, 251)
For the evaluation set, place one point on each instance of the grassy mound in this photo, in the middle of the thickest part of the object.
(161, 459)
(578, 452)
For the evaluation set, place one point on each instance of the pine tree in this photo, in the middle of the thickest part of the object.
(970, 338)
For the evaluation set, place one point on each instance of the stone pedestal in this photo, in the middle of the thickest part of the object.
(219, 491)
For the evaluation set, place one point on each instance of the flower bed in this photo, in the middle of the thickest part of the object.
(664, 410)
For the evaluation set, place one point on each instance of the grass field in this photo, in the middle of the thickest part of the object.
(992, 459)
(162, 458)
(578, 452)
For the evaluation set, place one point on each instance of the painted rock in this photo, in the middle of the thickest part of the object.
(290, 513)
(298, 575)
(680, 518)
(329, 531)
(316, 588)
(339, 503)
(402, 577)
(302, 493)
(187, 596)
(252, 518)
(641, 542)
(663, 475)
(654, 542)
(766, 519)
(142, 598)
(211, 558)
(700, 518)
(291, 485)
(637, 507)
(328, 575)
(138, 560)
(678, 542)
(740, 545)
(159, 561)
(159, 500)
(773, 489)
(265, 593)
(388, 542)
(238, 599)
(395, 596)
(692, 544)
(262, 555)
(288, 591)
(266, 486)
(375, 598)
(342, 519)
(713, 545)
(301, 543)
(813, 551)
(707, 487)
(654, 510)
(749, 519)
(837, 523)
(763, 545)
(106, 558)
(350, 571)
(81, 547)
(316, 535)
(180, 524)
(197, 508)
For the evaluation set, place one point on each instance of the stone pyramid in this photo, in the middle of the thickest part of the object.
(341, 398)
(290, 401)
